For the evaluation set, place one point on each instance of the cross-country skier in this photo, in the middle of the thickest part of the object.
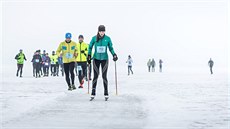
(68, 51)
(101, 43)
(20, 57)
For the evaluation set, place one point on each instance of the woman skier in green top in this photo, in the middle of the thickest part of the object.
(101, 43)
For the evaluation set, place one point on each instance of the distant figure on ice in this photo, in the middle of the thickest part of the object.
(33, 64)
(101, 43)
(130, 63)
(20, 57)
(211, 63)
(60, 63)
(37, 60)
(43, 61)
(54, 62)
(68, 50)
(40, 66)
(153, 65)
(160, 62)
(46, 65)
(149, 64)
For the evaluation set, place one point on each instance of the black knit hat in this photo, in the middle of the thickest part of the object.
(80, 36)
(101, 28)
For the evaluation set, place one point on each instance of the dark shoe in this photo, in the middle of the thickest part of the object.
(70, 88)
(17, 74)
(73, 87)
(106, 97)
(80, 87)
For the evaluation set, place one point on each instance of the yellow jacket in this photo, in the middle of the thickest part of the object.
(53, 59)
(68, 51)
(82, 52)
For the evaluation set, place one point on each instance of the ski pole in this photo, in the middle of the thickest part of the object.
(88, 77)
(116, 77)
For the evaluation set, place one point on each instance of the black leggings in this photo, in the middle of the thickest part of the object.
(82, 73)
(37, 69)
(130, 69)
(20, 66)
(96, 66)
(69, 68)
(53, 69)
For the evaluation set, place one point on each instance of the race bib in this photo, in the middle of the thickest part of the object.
(52, 62)
(69, 55)
(37, 60)
(46, 64)
(101, 49)
(79, 68)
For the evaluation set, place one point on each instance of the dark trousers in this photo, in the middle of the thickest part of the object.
(62, 69)
(53, 69)
(57, 69)
(211, 70)
(34, 69)
(153, 69)
(20, 67)
(41, 68)
(82, 72)
(160, 68)
(130, 69)
(37, 69)
(69, 70)
(149, 68)
(104, 67)
(46, 70)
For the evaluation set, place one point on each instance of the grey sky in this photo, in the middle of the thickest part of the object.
(184, 33)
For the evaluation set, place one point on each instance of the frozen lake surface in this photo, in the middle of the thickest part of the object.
(168, 100)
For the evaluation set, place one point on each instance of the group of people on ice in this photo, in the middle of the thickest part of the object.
(152, 64)
(43, 62)
(71, 50)
(71, 55)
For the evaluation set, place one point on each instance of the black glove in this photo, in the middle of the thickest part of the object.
(115, 58)
(89, 59)
(82, 51)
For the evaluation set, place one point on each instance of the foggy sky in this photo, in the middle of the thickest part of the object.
(181, 33)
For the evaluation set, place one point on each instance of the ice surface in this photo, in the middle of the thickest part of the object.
(168, 100)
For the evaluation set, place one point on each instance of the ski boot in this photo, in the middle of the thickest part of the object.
(92, 97)
(106, 97)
